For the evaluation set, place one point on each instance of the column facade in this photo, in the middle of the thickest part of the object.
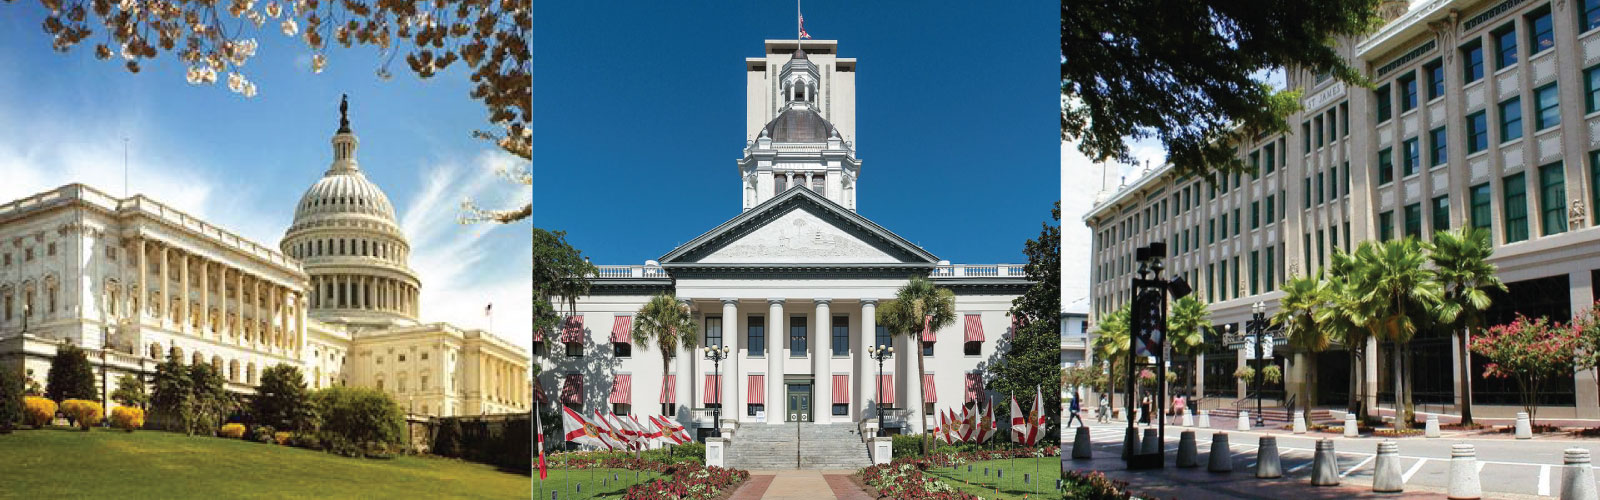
(205, 299)
(166, 295)
(775, 397)
(821, 367)
(865, 369)
(730, 366)
(185, 315)
(144, 287)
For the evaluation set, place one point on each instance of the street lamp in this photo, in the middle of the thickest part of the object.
(1258, 325)
(716, 354)
(881, 353)
(27, 310)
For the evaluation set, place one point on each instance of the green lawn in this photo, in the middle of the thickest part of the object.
(53, 463)
(1011, 485)
(595, 483)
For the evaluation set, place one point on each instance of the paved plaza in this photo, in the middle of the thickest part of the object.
(800, 485)
(1508, 468)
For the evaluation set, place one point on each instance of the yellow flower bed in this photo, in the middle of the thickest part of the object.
(86, 413)
(234, 431)
(282, 437)
(38, 411)
(127, 418)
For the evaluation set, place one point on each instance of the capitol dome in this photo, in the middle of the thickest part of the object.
(346, 237)
(799, 123)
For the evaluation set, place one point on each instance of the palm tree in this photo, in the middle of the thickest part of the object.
(1186, 327)
(669, 324)
(919, 306)
(1343, 319)
(1461, 260)
(1111, 345)
(1303, 297)
(1401, 292)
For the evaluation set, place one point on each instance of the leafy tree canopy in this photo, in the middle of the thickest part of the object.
(1033, 359)
(70, 376)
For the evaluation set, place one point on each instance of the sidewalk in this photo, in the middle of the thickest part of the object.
(799, 485)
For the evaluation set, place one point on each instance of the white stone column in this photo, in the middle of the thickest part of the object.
(166, 293)
(205, 299)
(144, 287)
(822, 362)
(775, 397)
(183, 291)
(255, 312)
(300, 328)
(730, 366)
(866, 371)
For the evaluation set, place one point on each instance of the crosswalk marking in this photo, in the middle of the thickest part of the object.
(1358, 466)
(1544, 480)
(1405, 478)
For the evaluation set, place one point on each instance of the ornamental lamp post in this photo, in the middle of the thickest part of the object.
(716, 354)
(1258, 314)
(881, 353)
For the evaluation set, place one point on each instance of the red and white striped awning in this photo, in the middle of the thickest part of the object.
(841, 389)
(621, 329)
(669, 390)
(622, 389)
(538, 335)
(757, 392)
(974, 386)
(572, 331)
(538, 391)
(885, 390)
(974, 328)
(927, 389)
(927, 331)
(712, 389)
(572, 391)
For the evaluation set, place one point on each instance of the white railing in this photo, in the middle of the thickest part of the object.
(624, 272)
(978, 271)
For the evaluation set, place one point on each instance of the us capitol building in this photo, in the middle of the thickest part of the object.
(133, 281)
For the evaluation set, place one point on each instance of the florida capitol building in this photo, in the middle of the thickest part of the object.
(1482, 113)
(790, 285)
(132, 281)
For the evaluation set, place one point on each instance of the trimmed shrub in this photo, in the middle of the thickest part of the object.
(282, 437)
(127, 418)
(130, 392)
(38, 411)
(10, 401)
(70, 376)
(282, 401)
(262, 434)
(84, 414)
(358, 421)
(305, 440)
(448, 441)
(234, 431)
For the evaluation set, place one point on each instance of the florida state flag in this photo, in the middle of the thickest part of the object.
(580, 430)
(538, 425)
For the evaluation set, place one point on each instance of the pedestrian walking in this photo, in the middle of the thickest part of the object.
(1103, 415)
(1144, 410)
(1074, 411)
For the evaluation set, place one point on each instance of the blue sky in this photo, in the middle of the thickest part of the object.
(244, 163)
(639, 119)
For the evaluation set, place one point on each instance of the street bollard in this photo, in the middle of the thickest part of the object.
(1221, 456)
(1188, 419)
(1524, 426)
(1130, 443)
(1299, 422)
(1431, 428)
(1577, 478)
(1325, 467)
(1386, 471)
(1080, 444)
(1188, 455)
(1350, 428)
(1464, 483)
(1151, 442)
(1268, 466)
(1205, 419)
(1244, 421)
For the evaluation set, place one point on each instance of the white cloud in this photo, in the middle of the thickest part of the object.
(1081, 181)
(466, 267)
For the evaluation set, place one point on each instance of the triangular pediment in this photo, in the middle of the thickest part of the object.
(799, 227)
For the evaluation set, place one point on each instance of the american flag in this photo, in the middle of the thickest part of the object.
(803, 34)
(488, 308)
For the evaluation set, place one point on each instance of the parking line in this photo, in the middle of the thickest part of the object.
(1297, 468)
(1405, 478)
(1358, 466)
(1544, 480)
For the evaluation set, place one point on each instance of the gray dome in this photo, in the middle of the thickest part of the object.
(344, 192)
(798, 54)
(799, 124)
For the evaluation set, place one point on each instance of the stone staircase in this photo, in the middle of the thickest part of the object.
(820, 446)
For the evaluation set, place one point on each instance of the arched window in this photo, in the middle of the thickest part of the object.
(199, 359)
(781, 184)
(250, 373)
(233, 371)
(177, 354)
(155, 351)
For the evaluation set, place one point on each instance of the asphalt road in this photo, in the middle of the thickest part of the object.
(1521, 467)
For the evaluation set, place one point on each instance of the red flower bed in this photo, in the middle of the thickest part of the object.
(689, 482)
(905, 478)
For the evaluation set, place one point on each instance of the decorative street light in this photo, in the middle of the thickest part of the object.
(1147, 337)
(1258, 326)
(716, 354)
(881, 353)
(27, 310)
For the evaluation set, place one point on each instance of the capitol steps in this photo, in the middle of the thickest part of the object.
(819, 446)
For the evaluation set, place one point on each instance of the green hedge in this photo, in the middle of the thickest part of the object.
(505, 441)
(910, 445)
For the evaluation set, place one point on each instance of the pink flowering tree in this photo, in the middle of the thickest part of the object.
(1531, 352)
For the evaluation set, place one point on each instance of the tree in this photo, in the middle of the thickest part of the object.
(10, 400)
(212, 402)
(1033, 359)
(358, 421)
(1303, 298)
(70, 376)
(1111, 345)
(282, 400)
(130, 392)
(1461, 260)
(1194, 76)
(1344, 318)
(560, 277)
(668, 324)
(1186, 328)
(174, 393)
(921, 306)
(1529, 352)
(1402, 295)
